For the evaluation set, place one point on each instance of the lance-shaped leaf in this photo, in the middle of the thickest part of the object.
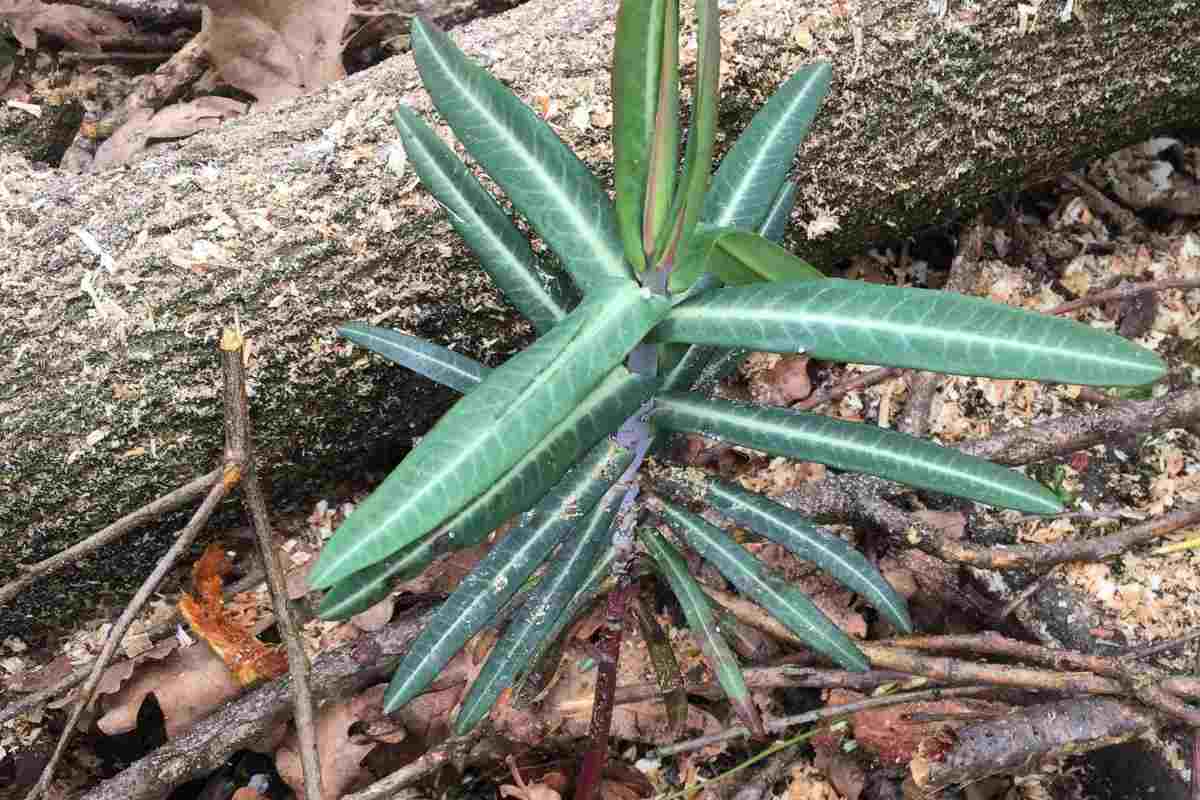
(853, 446)
(602, 412)
(534, 620)
(546, 182)
(703, 626)
(502, 572)
(540, 293)
(787, 604)
(697, 161)
(754, 169)
(488, 431)
(737, 258)
(828, 552)
(941, 331)
(359, 591)
(645, 126)
(435, 362)
(666, 667)
(543, 663)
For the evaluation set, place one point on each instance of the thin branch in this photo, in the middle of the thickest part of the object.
(829, 712)
(1029, 591)
(232, 473)
(1153, 649)
(835, 393)
(433, 760)
(1124, 292)
(233, 368)
(169, 502)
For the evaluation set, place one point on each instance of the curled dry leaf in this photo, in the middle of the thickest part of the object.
(74, 24)
(278, 49)
(172, 122)
(188, 684)
(249, 659)
(115, 676)
(524, 791)
(339, 752)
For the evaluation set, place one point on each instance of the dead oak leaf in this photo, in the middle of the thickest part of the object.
(74, 24)
(277, 49)
(173, 122)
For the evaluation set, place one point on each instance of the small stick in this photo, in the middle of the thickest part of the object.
(168, 502)
(1125, 291)
(1026, 593)
(1147, 650)
(844, 388)
(237, 407)
(829, 712)
(386, 787)
(232, 473)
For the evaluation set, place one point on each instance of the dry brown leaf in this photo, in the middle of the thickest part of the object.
(524, 791)
(74, 24)
(249, 659)
(278, 49)
(340, 753)
(188, 684)
(44, 678)
(172, 122)
(784, 383)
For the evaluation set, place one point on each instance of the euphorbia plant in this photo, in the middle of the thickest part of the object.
(678, 274)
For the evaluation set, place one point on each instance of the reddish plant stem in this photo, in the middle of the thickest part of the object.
(608, 654)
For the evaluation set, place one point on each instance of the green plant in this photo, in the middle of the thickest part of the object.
(679, 277)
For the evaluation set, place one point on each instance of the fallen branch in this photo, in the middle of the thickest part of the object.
(237, 417)
(1019, 741)
(385, 788)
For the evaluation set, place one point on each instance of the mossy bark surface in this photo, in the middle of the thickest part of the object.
(292, 220)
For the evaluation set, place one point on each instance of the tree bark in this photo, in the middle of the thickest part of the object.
(292, 220)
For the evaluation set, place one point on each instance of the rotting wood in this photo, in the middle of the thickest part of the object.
(293, 217)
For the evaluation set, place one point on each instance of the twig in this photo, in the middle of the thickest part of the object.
(844, 388)
(146, 56)
(238, 417)
(1068, 434)
(1147, 650)
(829, 712)
(145, 10)
(168, 502)
(1125, 291)
(433, 760)
(1028, 592)
(232, 473)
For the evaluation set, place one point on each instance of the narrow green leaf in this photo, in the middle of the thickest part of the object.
(537, 291)
(664, 152)
(941, 331)
(546, 182)
(853, 446)
(544, 662)
(666, 667)
(360, 590)
(696, 610)
(534, 620)
(754, 169)
(502, 572)
(488, 431)
(737, 258)
(828, 552)
(425, 358)
(697, 162)
(780, 212)
(636, 79)
(787, 604)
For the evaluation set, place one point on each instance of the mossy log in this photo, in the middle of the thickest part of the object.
(292, 220)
